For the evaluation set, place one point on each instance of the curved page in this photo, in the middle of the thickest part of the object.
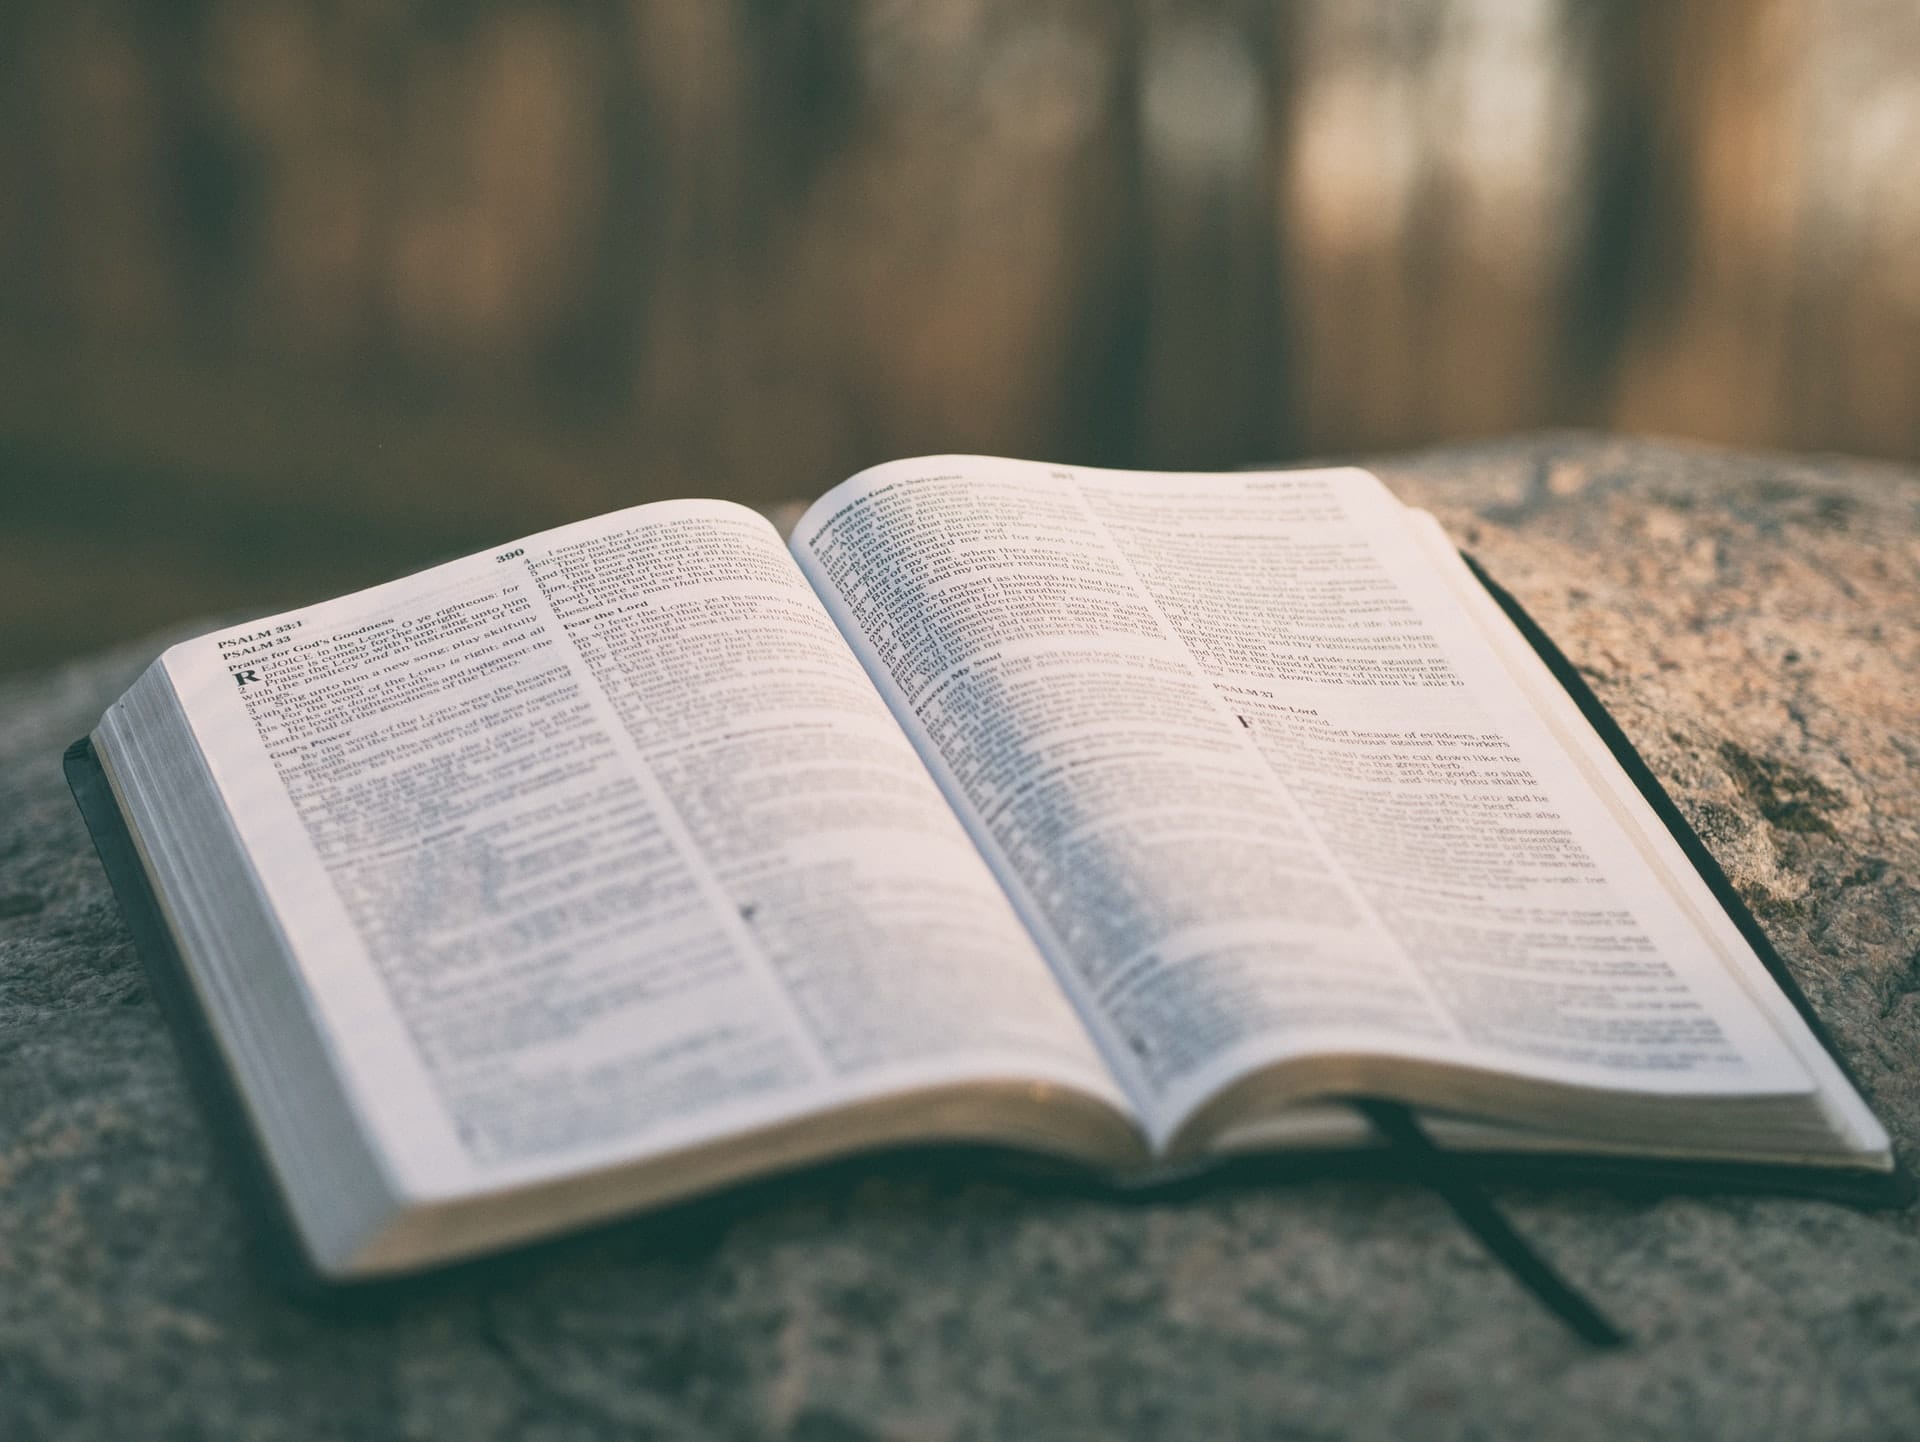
(604, 845)
(1261, 787)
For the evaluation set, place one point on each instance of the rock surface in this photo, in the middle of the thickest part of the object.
(1753, 622)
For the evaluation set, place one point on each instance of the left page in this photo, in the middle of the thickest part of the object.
(603, 845)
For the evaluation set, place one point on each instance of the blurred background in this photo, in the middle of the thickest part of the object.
(299, 294)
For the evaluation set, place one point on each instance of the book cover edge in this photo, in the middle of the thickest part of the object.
(208, 1073)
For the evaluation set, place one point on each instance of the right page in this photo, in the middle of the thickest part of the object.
(1265, 792)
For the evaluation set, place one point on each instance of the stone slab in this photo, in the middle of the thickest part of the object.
(1753, 622)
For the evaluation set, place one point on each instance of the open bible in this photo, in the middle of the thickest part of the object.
(1137, 821)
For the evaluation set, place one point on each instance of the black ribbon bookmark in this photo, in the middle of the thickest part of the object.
(1434, 1169)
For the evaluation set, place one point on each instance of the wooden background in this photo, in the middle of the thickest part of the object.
(294, 296)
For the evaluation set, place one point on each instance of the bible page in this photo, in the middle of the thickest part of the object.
(603, 845)
(1260, 787)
